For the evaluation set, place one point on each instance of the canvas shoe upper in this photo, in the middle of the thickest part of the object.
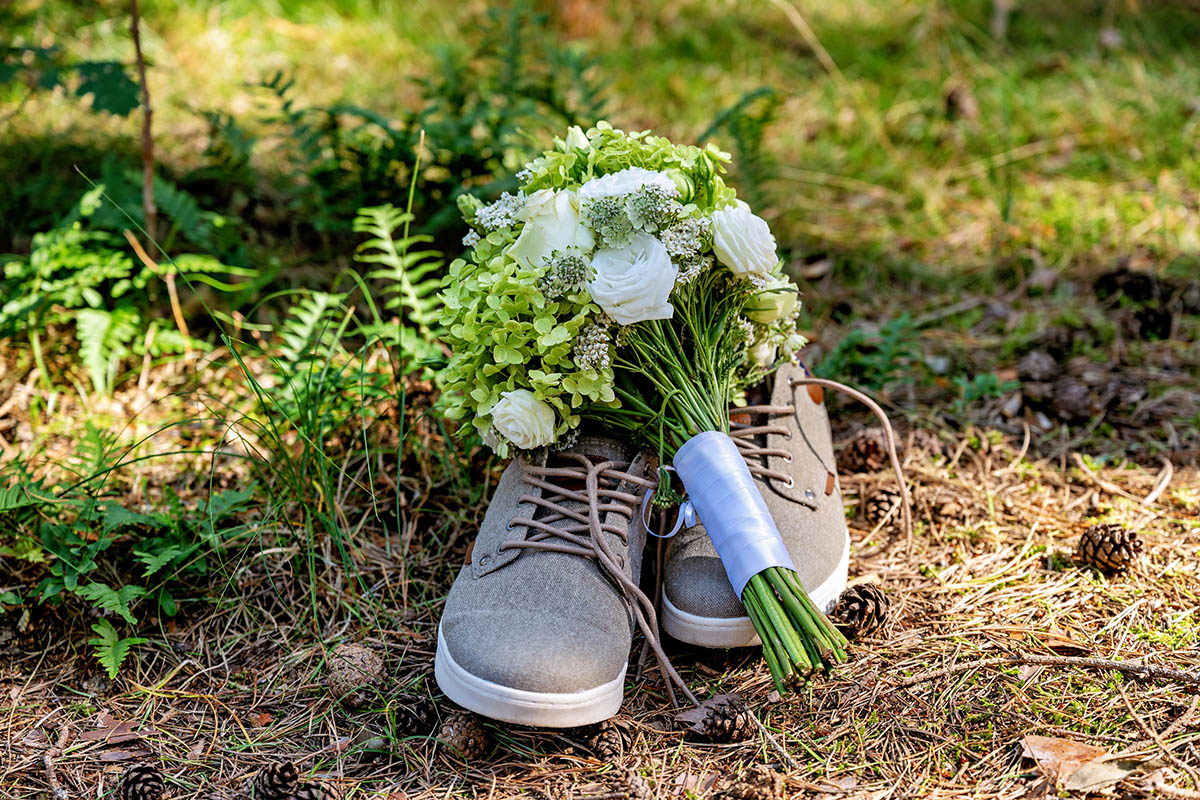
(537, 627)
(788, 446)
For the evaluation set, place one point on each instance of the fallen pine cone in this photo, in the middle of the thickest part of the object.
(276, 781)
(723, 718)
(355, 674)
(415, 715)
(142, 782)
(1108, 547)
(866, 452)
(760, 782)
(878, 505)
(462, 732)
(318, 791)
(860, 610)
(607, 740)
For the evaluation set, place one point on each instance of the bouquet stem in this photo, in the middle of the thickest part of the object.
(796, 637)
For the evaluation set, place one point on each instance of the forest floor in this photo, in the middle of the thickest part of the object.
(997, 237)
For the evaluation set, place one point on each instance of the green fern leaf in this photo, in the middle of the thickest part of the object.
(104, 340)
(408, 274)
(110, 649)
(105, 597)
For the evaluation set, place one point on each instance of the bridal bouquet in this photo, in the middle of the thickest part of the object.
(625, 283)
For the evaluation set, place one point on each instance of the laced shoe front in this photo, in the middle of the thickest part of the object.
(538, 625)
(787, 445)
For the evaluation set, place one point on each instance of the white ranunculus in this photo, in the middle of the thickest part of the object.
(523, 419)
(742, 241)
(775, 301)
(551, 223)
(634, 283)
(627, 181)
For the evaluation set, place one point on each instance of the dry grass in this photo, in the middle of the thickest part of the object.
(235, 683)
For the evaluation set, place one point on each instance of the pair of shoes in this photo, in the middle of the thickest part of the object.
(538, 625)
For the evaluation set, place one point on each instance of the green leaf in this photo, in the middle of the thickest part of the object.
(102, 596)
(110, 649)
(112, 90)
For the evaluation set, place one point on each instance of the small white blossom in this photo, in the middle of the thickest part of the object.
(566, 272)
(592, 348)
(471, 239)
(607, 218)
(502, 213)
(524, 175)
(691, 269)
(653, 207)
(686, 239)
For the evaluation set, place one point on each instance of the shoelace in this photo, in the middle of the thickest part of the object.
(584, 536)
(745, 436)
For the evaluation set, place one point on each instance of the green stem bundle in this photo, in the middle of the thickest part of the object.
(676, 382)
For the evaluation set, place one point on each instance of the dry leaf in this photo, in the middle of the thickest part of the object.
(1060, 758)
(1097, 774)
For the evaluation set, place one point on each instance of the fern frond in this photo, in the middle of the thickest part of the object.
(104, 340)
(110, 649)
(411, 275)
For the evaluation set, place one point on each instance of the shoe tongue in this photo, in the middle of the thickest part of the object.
(602, 448)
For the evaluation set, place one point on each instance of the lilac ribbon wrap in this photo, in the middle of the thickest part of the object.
(722, 491)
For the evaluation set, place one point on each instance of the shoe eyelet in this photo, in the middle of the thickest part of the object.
(791, 484)
(484, 560)
(789, 436)
(509, 526)
(788, 459)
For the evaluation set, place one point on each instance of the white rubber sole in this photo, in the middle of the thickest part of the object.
(739, 631)
(523, 707)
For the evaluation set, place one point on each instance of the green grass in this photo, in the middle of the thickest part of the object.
(1081, 153)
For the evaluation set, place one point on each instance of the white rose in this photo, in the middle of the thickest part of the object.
(627, 181)
(742, 241)
(776, 301)
(634, 283)
(551, 223)
(523, 419)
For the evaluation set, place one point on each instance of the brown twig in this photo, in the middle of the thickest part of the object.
(1166, 751)
(147, 139)
(56, 789)
(169, 277)
(1143, 671)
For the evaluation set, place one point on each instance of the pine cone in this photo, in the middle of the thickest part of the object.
(464, 733)
(860, 610)
(355, 674)
(760, 782)
(879, 504)
(276, 781)
(606, 740)
(318, 791)
(142, 782)
(944, 507)
(415, 715)
(723, 718)
(866, 452)
(1108, 547)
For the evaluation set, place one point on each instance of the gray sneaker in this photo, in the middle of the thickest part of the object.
(537, 627)
(789, 448)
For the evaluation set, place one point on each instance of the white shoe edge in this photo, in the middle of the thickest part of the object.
(521, 706)
(727, 632)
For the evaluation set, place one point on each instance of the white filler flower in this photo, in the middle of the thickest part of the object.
(551, 223)
(743, 242)
(627, 181)
(634, 283)
(523, 419)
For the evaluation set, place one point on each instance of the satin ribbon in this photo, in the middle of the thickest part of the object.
(723, 493)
